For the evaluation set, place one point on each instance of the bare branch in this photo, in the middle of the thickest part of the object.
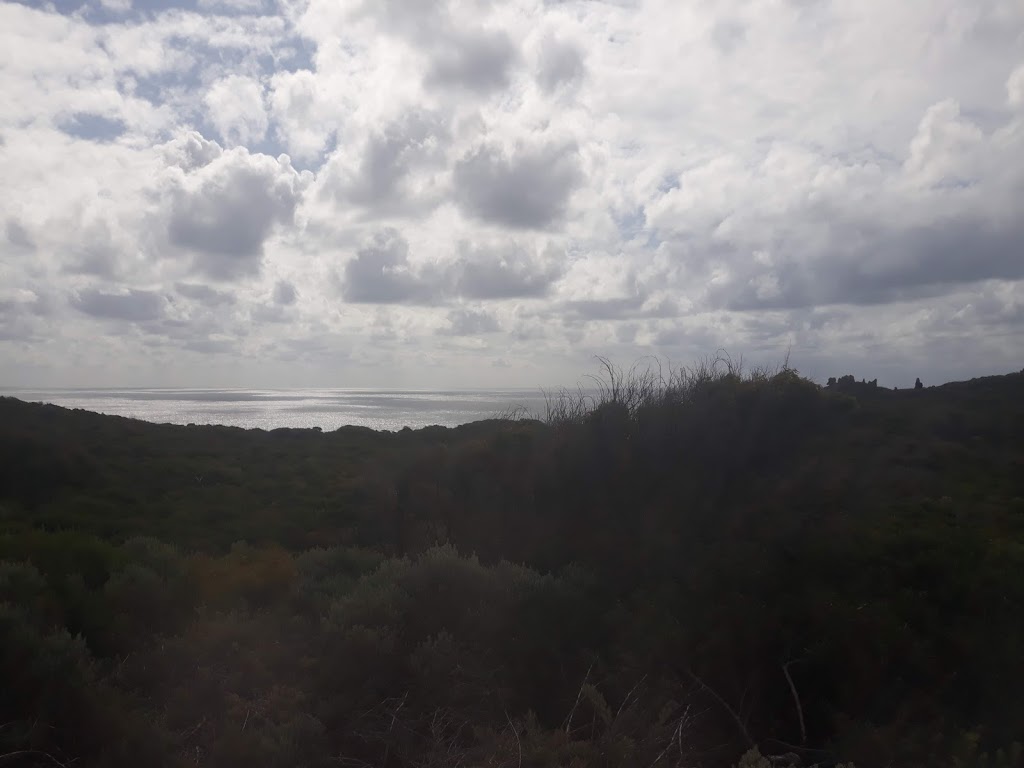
(37, 753)
(714, 694)
(579, 695)
(391, 728)
(796, 700)
(629, 696)
(519, 744)
(676, 738)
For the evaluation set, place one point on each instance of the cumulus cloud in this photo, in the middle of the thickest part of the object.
(897, 265)
(504, 272)
(19, 315)
(560, 63)
(1015, 88)
(380, 273)
(18, 236)
(204, 294)
(96, 251)
(224, 211)
(285, 294)
(536, 181)
(383, 273)
(529, 188)
(237, 110)
(381, 177)
(134, 306)
(297, 106)
(480, 63)
(470, 322)
(941, 151)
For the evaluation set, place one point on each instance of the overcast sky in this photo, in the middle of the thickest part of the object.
(421, 193)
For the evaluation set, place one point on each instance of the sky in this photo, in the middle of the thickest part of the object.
(459, 193)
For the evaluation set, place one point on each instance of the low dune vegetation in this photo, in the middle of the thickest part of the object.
(703, 568)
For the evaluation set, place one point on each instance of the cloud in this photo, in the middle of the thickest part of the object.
(504, 272)
(470, 322)
(19, 315)
(383, 273)
(18, 236)
(529, 188)
(223, 212)
(1015, 89)
(191, 151)
(885, 265)
(96, 253)
(728, 34)
(480, 63)
(134, 306)
(296, 103)
(382, 177)
(553, 180)
(237, 110)
(559, 64)
(943, 142)
(204, 294)
(380, 273)
(285, 294)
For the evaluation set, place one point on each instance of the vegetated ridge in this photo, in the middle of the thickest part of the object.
(703, 568)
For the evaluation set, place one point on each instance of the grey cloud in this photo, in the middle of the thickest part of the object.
(528, 190)
(607, 309)
(191, 151)
(887, 264)
(470, 322)
(133, 306)
(270, 313)
(380, 274)
(97, 259)
(285, 294)
(559, 64)
(227, 216)
(388, 158)
(204, 294)
(480, 64)
(639, 305)
(211, 346)
(728, 35)
(19, 317)
(14, 322)
(504, 273)
(418, 20)
(18, 236)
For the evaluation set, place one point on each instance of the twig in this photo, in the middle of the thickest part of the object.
(244, 722)
(23, 752)
(725, 705)
(796, 700)
(394, 717)
(189, 733)
(579, 695)
(519, 744)
(629, 696)
(676, 737)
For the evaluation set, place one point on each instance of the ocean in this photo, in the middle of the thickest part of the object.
(270, 408)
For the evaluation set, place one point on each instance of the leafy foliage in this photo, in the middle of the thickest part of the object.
(668, 568)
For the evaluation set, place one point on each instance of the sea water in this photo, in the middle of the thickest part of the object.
(298, 408)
